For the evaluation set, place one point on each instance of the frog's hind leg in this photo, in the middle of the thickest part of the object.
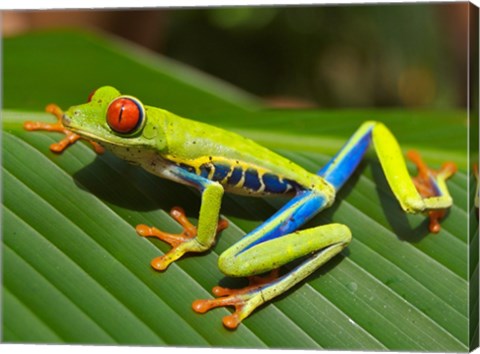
(273, 244)
(322, 242)
(427, 193)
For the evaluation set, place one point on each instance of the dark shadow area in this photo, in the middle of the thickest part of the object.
(116, 182)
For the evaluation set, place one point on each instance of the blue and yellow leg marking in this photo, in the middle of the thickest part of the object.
(339, 169)
(407, 191)
(285, 221)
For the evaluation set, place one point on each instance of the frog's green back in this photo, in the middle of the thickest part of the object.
(195, 143)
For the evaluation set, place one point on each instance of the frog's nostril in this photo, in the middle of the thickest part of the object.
(66, 120)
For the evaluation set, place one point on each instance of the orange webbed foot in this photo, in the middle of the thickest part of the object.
(70, 137)
(425, 182)
(178, 241)
(244, 300)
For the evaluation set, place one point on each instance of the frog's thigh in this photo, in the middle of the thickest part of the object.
(274, 253)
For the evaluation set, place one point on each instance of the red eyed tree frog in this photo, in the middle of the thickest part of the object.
(216, 161)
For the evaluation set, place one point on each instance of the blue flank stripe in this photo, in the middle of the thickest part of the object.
(272, 183)
(190, 177)
(221, 171)
(236, 176)
(205, 170)
(252, 181)
(344, 168)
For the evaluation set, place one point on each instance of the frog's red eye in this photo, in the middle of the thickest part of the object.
(125, 115)
(91, 95)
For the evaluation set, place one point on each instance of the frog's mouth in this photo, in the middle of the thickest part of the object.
(109, 141)
(67, 123)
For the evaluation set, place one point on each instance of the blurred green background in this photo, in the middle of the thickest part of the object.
(401, 55)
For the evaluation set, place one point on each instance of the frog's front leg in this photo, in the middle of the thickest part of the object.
(273, 244)
(192, 239)
(70, 137)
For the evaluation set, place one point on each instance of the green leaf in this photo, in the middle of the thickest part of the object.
(75, 271)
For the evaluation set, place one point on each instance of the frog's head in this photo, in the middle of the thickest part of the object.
(115, 120)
